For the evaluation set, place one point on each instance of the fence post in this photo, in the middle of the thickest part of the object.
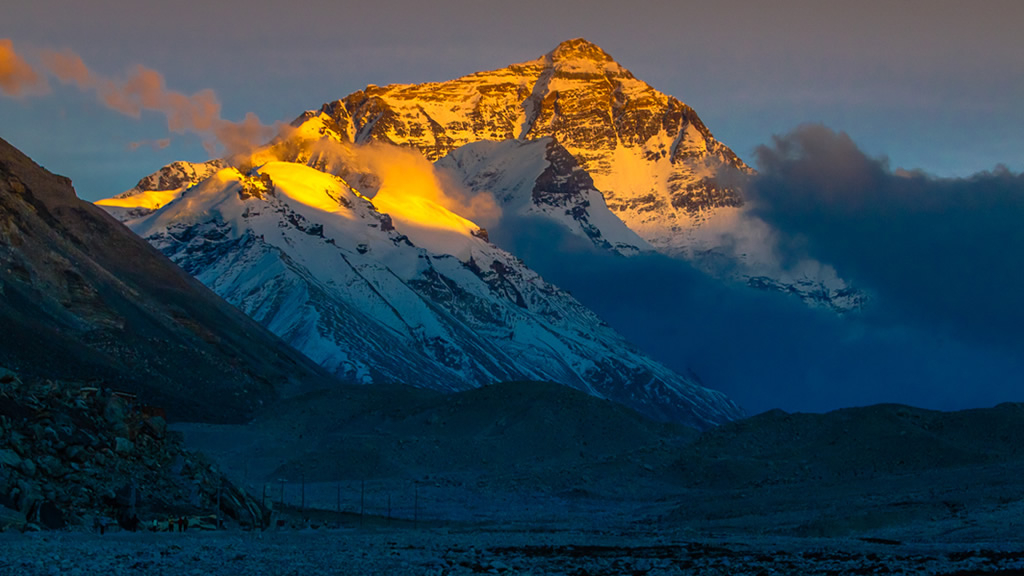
(220, 486)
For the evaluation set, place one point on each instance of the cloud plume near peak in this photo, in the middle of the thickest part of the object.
(17, 77)
(144, 89)
(385, 170)
(406, 172)
(942, 251)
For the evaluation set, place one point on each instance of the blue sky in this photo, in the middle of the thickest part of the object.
(933, 85)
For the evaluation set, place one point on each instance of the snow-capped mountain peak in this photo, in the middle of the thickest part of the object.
(656, 164)
(160, 188)
(582, 57)
(387, 284)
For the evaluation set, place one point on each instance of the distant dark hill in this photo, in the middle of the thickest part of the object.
(494, 430)
(83, 298)
(526, 452)
(532, 432)
(851, 444)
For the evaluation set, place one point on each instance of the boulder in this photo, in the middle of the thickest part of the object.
(11, 519)
(116, 414)
(123, 445)
(8, 376)
(155, 426)
(75, 453)
(9, 458)
(51, 466)
(28, 467)
(29, 497)
(16, 442)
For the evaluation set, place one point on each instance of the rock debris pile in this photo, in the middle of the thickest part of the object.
(78, 455)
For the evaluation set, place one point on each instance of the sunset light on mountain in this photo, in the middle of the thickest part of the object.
(460, 288)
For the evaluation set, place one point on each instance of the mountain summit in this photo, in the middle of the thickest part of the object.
(657, 164)
(579, 49)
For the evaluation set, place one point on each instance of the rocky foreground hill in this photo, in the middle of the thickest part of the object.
(102, 342)
(77, 456)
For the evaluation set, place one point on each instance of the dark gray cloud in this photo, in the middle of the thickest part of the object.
(768, 350)
(940, 252)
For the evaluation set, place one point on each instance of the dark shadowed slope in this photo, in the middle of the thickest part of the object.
(536, 434)
(852, 444)
(83, 298)
(498, 430)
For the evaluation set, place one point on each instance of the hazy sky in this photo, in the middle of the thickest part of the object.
(933, 84)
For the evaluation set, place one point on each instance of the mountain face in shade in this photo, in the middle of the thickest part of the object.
(83, 298)
(398, 288)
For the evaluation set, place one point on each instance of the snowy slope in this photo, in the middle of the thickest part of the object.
(411, 293)
(159, 189)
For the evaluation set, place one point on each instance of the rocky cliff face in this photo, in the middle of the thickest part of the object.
(540, 179)
(659, 167)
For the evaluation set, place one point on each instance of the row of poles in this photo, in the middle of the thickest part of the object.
(362, 499)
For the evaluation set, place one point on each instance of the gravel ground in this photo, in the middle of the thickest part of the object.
(441, 552)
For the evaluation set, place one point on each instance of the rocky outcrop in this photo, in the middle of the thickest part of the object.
(178, 175)
(79, 455)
